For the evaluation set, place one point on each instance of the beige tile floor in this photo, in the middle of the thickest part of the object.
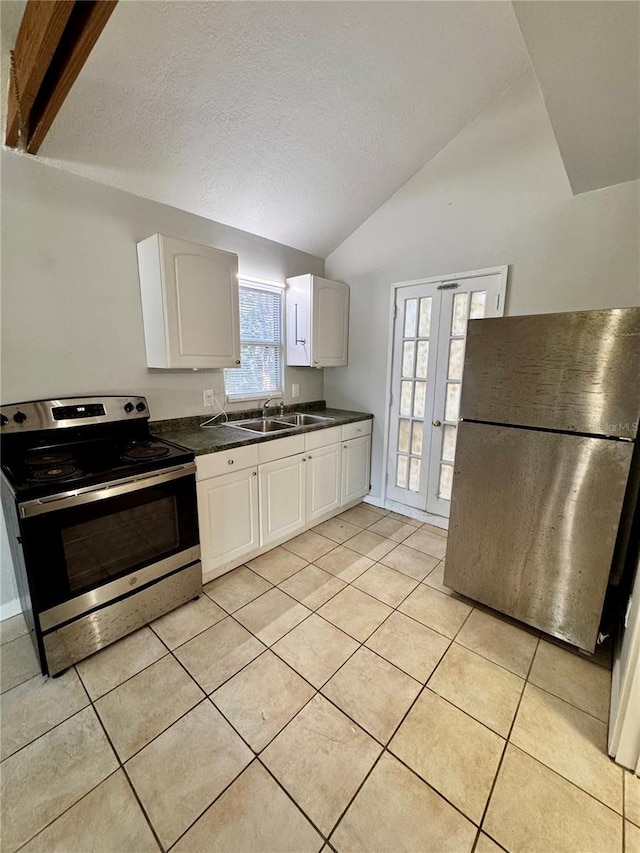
(334, 695)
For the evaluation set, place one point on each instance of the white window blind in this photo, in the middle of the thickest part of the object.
(261, 348)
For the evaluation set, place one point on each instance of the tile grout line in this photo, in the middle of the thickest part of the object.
(132, 787)
(84, 796)
(385, 746)
(56, 725)
(425, 686)
(385, 749)
(506, 743)
(317, 691)
(340, 710)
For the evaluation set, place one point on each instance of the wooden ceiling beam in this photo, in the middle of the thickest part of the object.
(53, 43)
(40, 32)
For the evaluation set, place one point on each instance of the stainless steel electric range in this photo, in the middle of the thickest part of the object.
(102, 521)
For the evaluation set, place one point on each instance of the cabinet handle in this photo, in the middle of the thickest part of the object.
(237, 361)
(254, 473)
(298, 340)
(304, 458)
(315, 361)
(229, 461)
(308, 457)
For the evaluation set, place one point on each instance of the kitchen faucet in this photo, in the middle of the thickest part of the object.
(265, 407)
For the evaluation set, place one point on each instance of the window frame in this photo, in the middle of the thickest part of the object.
(272, 287)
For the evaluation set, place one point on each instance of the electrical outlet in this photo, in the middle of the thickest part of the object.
(207, 397)
(295, 390)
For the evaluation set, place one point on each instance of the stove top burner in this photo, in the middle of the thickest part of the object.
(39, 462)
(47, 459)
(145, 452)
(58, 472)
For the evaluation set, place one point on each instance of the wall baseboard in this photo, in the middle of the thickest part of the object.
(435, 520)
(370, 499)
(9, 609)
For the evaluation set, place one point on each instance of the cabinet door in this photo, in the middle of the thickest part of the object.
(228, 516)
(201, 292)
(330, 335)
(282, 498)
(323, 480)
(356, 460)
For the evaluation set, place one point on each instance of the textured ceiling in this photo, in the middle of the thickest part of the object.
(293, 120)
(587, 61)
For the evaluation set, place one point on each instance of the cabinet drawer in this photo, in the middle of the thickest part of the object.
(226, 461)
(323, 438)
(280, 448)
(356, 430)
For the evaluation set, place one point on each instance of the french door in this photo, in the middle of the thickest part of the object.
(430, 327)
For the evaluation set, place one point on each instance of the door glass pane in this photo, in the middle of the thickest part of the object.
(403, 436)
(410, 317)
(446, 476)
(424, 326)
(408, 351)
(405, 398)
(423, 359)
(414, 475)
(416, 438)
(449, 443)
(401, 475)
(452, 406)
(456, 355)
(478, 301)
(418, 404)
(460, 312)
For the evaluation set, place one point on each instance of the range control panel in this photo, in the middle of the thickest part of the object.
(89, 410)
(71, 411)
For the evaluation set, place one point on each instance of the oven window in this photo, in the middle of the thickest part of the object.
(103, 548)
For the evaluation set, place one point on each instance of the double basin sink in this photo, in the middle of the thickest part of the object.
(282, 423)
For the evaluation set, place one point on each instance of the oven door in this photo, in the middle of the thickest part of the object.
(86, 548)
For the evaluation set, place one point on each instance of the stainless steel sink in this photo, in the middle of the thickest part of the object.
(299, 419)
(262, 425)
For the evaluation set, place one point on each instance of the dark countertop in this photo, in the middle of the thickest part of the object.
(188, 432)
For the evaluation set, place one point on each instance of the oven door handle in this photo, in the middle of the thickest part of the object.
(76, 497)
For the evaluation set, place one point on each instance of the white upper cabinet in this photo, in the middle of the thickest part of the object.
(317, 322)
(189, 304)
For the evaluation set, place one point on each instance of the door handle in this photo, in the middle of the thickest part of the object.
(437, 423)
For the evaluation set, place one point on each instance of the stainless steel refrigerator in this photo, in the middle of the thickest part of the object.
(545, 476)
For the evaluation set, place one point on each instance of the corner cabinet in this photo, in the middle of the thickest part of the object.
(317, 322)
(189, 304)
(356, 461)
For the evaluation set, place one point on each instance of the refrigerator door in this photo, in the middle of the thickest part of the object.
(575, 372)
(534, 517)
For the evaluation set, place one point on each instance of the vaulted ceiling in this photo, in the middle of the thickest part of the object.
(293, 120)
(587, 61)
(297, 120)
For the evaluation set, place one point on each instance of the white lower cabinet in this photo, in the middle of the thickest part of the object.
(356, 468)
(246, 511)
(229, 517)
(282, 498)
(323, 481)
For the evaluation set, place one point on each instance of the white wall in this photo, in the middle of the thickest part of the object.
(497, 194)
(71, 315)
